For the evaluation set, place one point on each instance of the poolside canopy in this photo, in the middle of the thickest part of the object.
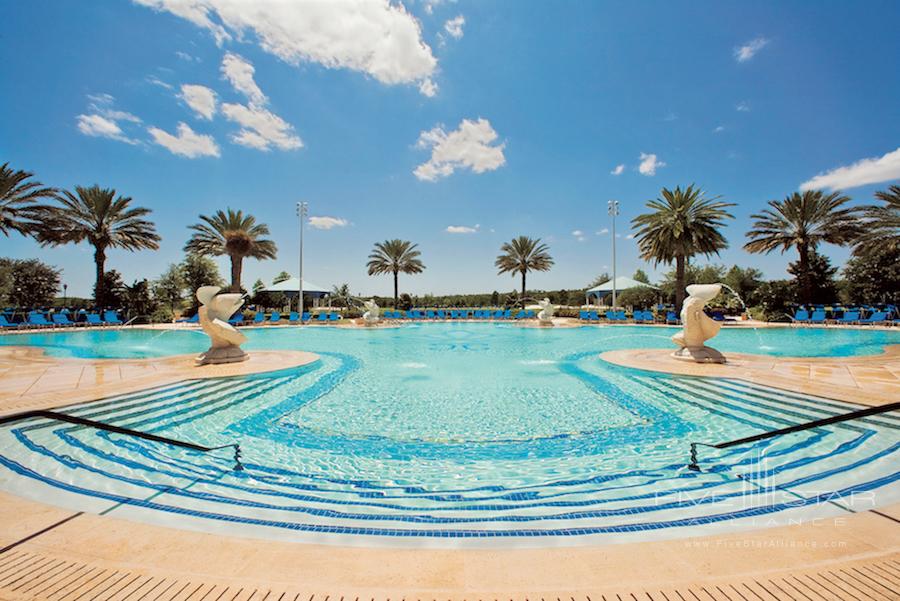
(292, 286)
(622, 283)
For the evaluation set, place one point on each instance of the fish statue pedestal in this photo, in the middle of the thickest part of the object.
(215, 311)
(545, 315)
(698, 327)
(371, 316)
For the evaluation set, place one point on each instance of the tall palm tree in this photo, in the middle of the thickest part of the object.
(97, 216)
(395, 256)
(802, 221)
(882, 227)
(683, 223)
(234, 234)
(521, 255)
(18, 200)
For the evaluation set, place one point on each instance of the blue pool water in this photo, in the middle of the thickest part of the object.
(459, 434)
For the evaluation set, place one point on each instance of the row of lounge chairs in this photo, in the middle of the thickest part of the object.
(59, 319)
(621, 317)
(260, 318)
(819, 316)
(459, 314)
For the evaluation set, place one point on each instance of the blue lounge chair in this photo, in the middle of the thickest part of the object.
(877, 317)
(530, 314)
(112, 318)
(192, 319)
(259, 318)
(818, 316)
(849, 317)
(620, 316)
(293, 317)
(306, 316)
(429, 314)
(584, 315)
(38, 320)
(334, 316)
(61, 319)
(672, 317)
(275, 317)
(593, 316)
(323, 316)
(237, 319)
(507, 314)
(441, 314)
(5, 324)
(801, 316)
(93, 319)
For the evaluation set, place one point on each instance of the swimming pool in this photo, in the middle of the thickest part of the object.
(459, 435)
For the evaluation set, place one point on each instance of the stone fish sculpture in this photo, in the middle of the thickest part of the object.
(215, 310)
(545, 315)
(371, 316)
(698, 327)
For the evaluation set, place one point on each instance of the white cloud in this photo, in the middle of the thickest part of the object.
(240, 72)
(603, 231)
(98, 126)
(468, 147)
(377, 37)
(649, 164)
(153, 79)
(461, 229)
(327, 223)
(186, 57)
(261, 128)
(428, 88)
(747, 51)
(454, 26)
(742, 107)
(630, 236)
(187, 142)
(872, 170)
(719, 129)
(579, 235)
(201, 99)
(102, 104)
(618, 170)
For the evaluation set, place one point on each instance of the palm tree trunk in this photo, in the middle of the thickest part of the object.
(679, 283)
(523, 290)
(396, 296)
(805, 279)
(237, 265)
(99, 286)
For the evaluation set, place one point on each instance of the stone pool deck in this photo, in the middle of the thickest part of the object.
(51, 553)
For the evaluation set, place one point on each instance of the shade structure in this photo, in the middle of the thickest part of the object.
(292, 287)
(622, 283)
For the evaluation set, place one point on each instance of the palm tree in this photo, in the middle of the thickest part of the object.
(102, 219)
(234, 234)
(802, 221)
(18, 198)
(395, 256)
(882, 227)
(682, 224)
(521, 255)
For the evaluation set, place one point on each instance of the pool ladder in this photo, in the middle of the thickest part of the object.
(81, 421)
(834, 419)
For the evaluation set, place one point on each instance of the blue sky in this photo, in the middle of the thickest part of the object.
(404, 120)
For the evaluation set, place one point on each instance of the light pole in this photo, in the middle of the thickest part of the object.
(302, 211)
(613, 210)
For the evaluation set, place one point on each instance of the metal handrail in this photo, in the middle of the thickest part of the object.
(72, 419)
(834, 419)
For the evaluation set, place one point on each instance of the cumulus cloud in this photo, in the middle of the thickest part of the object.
(98, 126)
(377, 37)
(454, 26)
(239, 72)
(719, 129)
(649, 164)
(872, 170)
(428, 88)
(201, 99)
(579, 235)
(186, 142)
(470, 146)
(462, 229)
(326, 223)
(747, 51)
(260, 128)
(618, 170)
(742, 107)
(603, 231)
